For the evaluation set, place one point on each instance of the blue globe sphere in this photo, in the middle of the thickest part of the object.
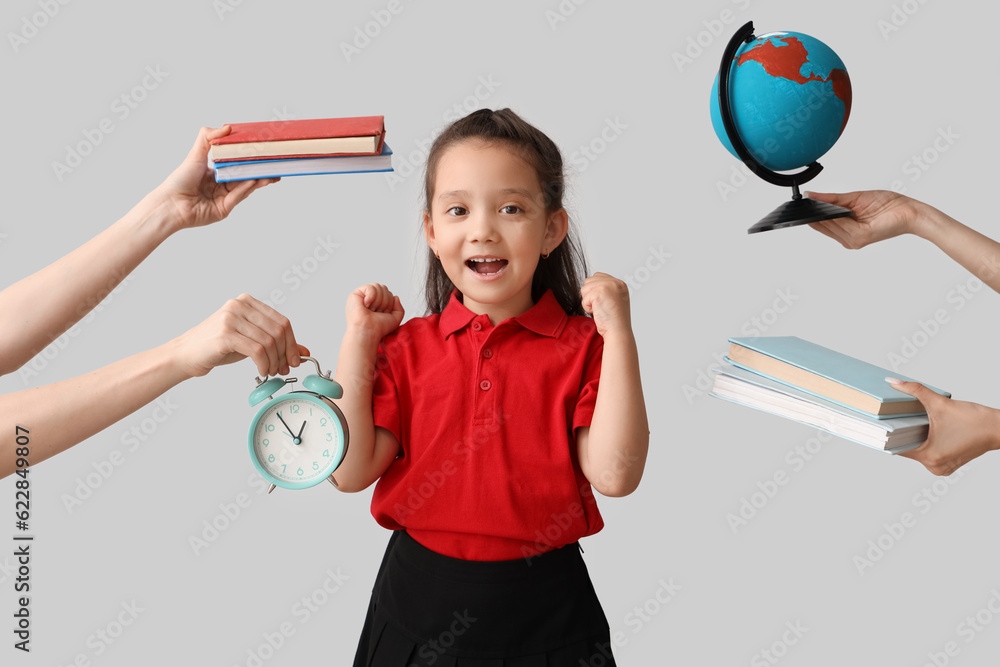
(790, 97)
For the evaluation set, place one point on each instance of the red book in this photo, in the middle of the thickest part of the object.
(285, 139)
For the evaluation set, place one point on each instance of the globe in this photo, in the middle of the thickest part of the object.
(790, 97)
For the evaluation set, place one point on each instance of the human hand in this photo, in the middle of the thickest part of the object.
(373, 309)
(243, 327)
(879, 215)
(606, 298)
(959, 431)
(191, 189)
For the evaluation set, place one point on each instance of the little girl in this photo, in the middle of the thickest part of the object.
(483, 421)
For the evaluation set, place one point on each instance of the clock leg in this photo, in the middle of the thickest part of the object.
(273, 487)
(332, 481)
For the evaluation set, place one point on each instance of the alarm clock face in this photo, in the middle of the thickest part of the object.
(297, 440)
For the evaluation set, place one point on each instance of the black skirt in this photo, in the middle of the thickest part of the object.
(430, 609)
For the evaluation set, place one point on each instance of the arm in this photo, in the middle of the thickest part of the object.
(50, 301)
(881, 215)
(60, 415)
(959, 431)
(612, 450)
(372, 313)
(979, 254)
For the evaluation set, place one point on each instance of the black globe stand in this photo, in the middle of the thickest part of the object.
(798, 211)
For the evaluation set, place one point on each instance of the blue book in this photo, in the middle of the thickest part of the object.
(756, 391)
(822, 372)
(344, 164)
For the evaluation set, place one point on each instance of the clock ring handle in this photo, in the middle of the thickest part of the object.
(319, 370)
(289, 380)
(322, 383)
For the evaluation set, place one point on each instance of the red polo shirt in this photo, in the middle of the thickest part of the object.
(485, 416)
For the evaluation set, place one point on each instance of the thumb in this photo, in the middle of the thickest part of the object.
(368, 294)
(205, 136)
(304, 351)
(926, 397)
(212, 133)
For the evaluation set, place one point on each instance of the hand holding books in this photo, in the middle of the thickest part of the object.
(799, 380)
(191, 194)
(814, 385)
(959, 431)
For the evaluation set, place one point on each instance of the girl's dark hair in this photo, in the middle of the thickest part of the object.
(566, 267)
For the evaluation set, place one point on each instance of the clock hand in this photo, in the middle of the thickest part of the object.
(302, 428)
(286, 425)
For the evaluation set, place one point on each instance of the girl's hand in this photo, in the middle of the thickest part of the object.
(606, 298)
(243, 327)
(959, 431)
(191, 189)
(879, 215)
(374, 310)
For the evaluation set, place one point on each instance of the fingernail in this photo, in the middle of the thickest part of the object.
(893, 381)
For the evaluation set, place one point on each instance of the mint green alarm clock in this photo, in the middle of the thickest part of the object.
(298, 439)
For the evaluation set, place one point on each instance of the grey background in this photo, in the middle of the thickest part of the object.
(656, 185)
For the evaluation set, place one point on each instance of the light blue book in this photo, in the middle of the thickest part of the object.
(761, 393)
(344, 164)
(830, 375)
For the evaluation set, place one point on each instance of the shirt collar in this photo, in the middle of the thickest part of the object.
(546, 317)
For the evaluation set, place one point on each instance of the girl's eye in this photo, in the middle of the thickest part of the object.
(456, 210)
(513, 210)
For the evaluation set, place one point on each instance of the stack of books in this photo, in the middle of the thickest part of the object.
(300, 147)
(813, 385)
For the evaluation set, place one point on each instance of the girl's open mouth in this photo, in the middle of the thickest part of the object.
(486, 266)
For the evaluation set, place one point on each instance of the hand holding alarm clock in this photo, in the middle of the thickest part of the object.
(300, 438)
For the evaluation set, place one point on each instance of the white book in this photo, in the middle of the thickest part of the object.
(756, 391)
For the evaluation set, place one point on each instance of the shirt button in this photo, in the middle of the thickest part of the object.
(477, 326)
(485, 385)
(487, 352)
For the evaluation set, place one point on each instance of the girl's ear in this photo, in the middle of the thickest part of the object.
(556, 228)
(429, 231)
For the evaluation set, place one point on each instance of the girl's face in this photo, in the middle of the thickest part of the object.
(488, 223)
